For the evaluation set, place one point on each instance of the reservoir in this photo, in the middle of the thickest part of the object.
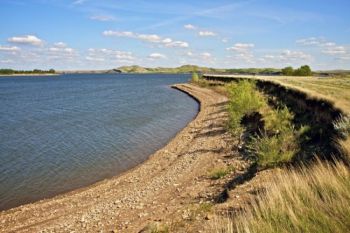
(59, 133)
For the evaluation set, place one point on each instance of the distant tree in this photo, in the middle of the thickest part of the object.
(6, 71)
(52, 71)
(288, 71)
(303, 71)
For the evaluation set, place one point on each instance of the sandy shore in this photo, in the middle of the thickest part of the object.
(158, 190)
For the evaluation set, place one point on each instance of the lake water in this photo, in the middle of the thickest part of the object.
(60, 133)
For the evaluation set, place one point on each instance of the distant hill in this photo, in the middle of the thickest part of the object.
(194, 68)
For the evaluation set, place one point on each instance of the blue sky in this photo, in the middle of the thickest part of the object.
(103, 34)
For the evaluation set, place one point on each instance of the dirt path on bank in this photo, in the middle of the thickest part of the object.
(163, 189)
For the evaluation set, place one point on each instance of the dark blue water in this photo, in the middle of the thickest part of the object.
(59, 133)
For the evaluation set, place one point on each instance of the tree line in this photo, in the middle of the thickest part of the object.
(302, 71)
(35, 71)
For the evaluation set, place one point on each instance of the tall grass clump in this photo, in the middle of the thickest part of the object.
(244, 100)
(309, 199)
(274, 150)
(279, 141)
(195, 77)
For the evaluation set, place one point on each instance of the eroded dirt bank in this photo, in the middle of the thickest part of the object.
(166, 189)
(318, 113)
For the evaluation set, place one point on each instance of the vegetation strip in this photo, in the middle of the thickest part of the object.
(306, 198)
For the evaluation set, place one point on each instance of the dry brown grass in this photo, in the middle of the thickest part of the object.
(309, 199)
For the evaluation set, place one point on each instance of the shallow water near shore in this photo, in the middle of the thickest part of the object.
(60, 133)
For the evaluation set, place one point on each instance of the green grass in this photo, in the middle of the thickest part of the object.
(157, 227)
(221, 172)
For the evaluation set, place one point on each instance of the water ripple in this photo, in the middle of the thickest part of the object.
(62, 133)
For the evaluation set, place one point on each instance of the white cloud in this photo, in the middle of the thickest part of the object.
(241, 47)
(110, 54)
(224, 40)
(9, 49)
(151, 38)
(176, 44)
(268, 56)
(288, 55)
(167, 40)
(189, 27)
(60, 45)
(242, 52)
(62, 50)
(119, 34)
(206, 55)
(310, 41)
(27, 39)
(156, 56)
(103, 18)
(206, 33)
(6, 61)
(335, 50)
(326, 47)
(59, 51)
(97, 59)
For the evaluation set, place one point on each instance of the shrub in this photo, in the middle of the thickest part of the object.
(288, 71)
(195, 77)
(244, 100)
(277, 121)
(271, 151)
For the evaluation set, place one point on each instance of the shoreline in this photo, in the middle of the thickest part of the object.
(23, 75)
(155, 180)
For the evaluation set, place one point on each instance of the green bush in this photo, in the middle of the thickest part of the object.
(244, 100)
(279, 120)
(302, 71)
(274, 150)
(195, 77)
(279, 142)
(288, 71)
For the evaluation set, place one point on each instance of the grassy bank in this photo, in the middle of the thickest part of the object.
(300, 198)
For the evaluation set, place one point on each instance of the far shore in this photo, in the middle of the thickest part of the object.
(45, 74)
